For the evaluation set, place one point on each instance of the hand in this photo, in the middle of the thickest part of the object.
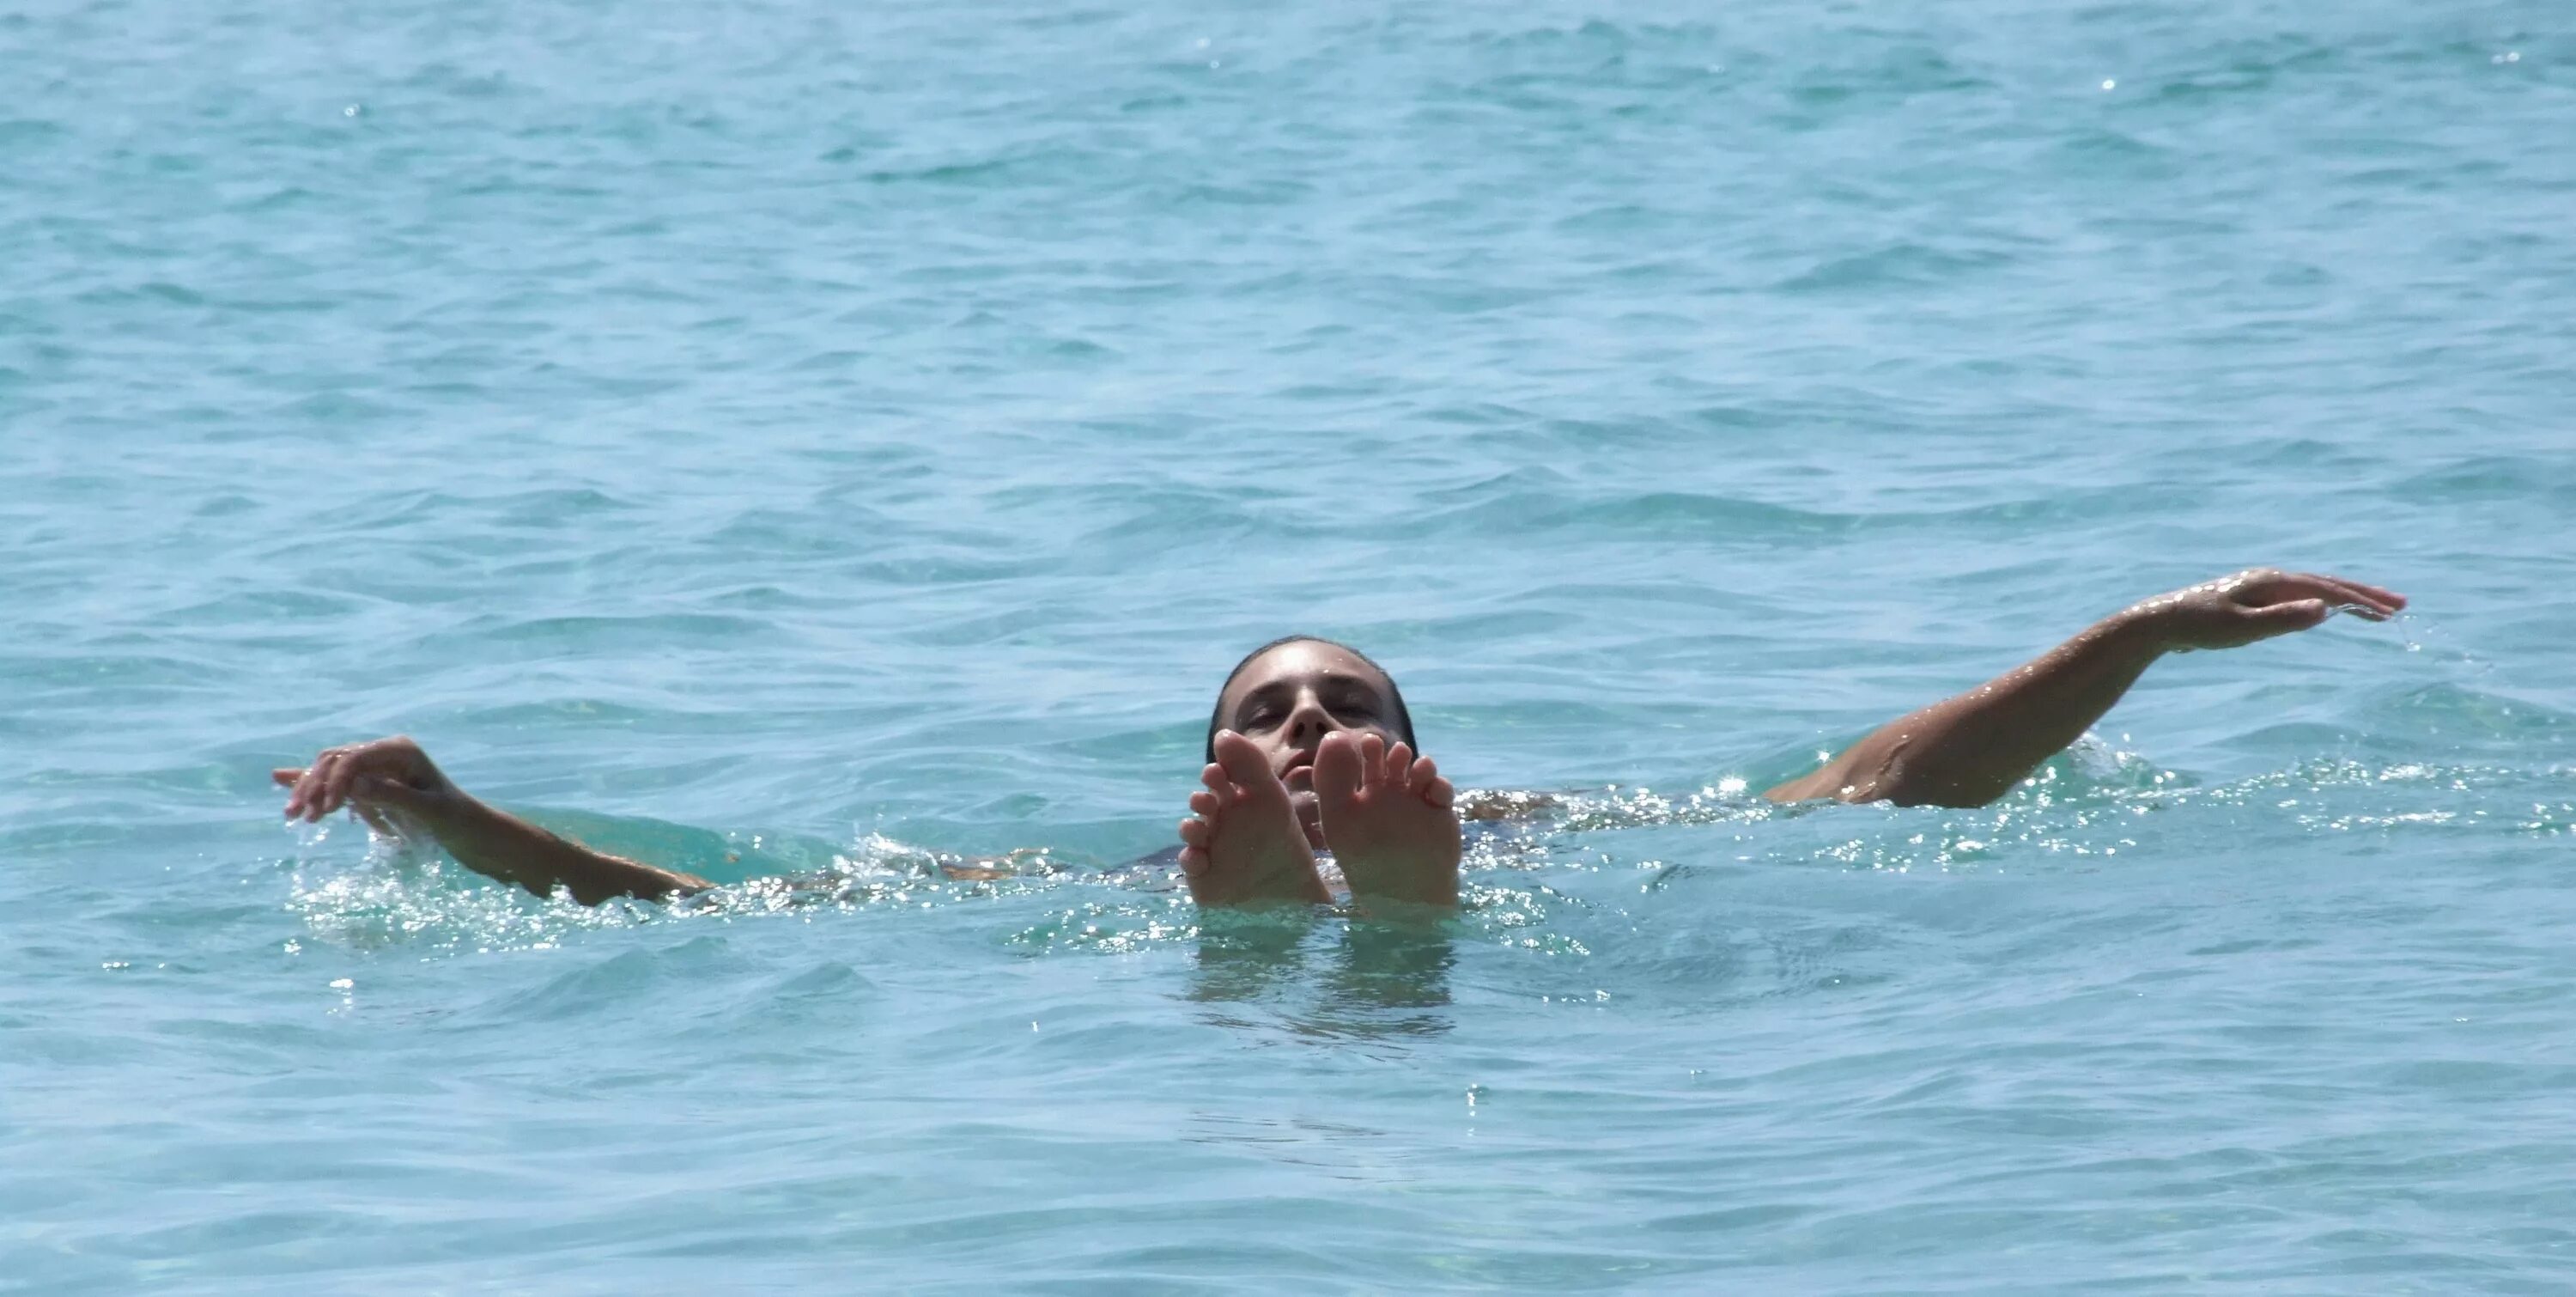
(2256, 604)
(390, 773)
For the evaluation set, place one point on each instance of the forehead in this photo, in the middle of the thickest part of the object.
(1298, 662)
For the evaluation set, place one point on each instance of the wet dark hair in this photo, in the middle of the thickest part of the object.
(1403, 718)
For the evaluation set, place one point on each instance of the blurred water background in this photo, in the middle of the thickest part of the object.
(789, 438)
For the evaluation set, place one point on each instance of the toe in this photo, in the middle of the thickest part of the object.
(1399, 759)
(1220, 787)
(1249, 770)
(1440, 793)
(1338, 768)
(1195, 832)
(1204, 804)
(1372, 760)
(1418, 779)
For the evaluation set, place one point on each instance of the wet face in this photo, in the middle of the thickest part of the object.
(1288, 699)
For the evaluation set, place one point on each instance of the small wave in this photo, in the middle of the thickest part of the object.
(2490, 477)
(987, 173)
(1897, 265)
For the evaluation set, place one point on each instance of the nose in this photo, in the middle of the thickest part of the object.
(1310, 722)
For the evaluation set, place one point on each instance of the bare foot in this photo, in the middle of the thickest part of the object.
(1243, 843)
(1390, 818)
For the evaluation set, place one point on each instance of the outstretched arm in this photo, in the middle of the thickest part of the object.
(395, 786)
(1966, 751)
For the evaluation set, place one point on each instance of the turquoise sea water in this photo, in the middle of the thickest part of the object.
(784, 437)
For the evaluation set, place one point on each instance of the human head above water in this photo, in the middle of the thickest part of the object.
(1306, 682)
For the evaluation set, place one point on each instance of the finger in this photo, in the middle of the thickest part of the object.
(1440, 793)
(309, 788)
(2382, 594)
(2285, 618)
(1205, 804)
(2358, 598)
(2384, 603)
(335, 786)
(1399, 759)
(2311, 585)
(286, 775)
(295, 795)
(1418, 779)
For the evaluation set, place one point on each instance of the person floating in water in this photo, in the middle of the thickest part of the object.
(1310, 749)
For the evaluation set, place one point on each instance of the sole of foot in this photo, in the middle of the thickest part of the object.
(1242, 844)
(1391, 819)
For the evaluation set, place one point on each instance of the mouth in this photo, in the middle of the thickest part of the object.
(1300, 775)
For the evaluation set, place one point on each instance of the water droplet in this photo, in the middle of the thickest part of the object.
(2110, 84)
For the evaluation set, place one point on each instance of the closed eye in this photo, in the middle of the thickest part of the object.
(1353, 702)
